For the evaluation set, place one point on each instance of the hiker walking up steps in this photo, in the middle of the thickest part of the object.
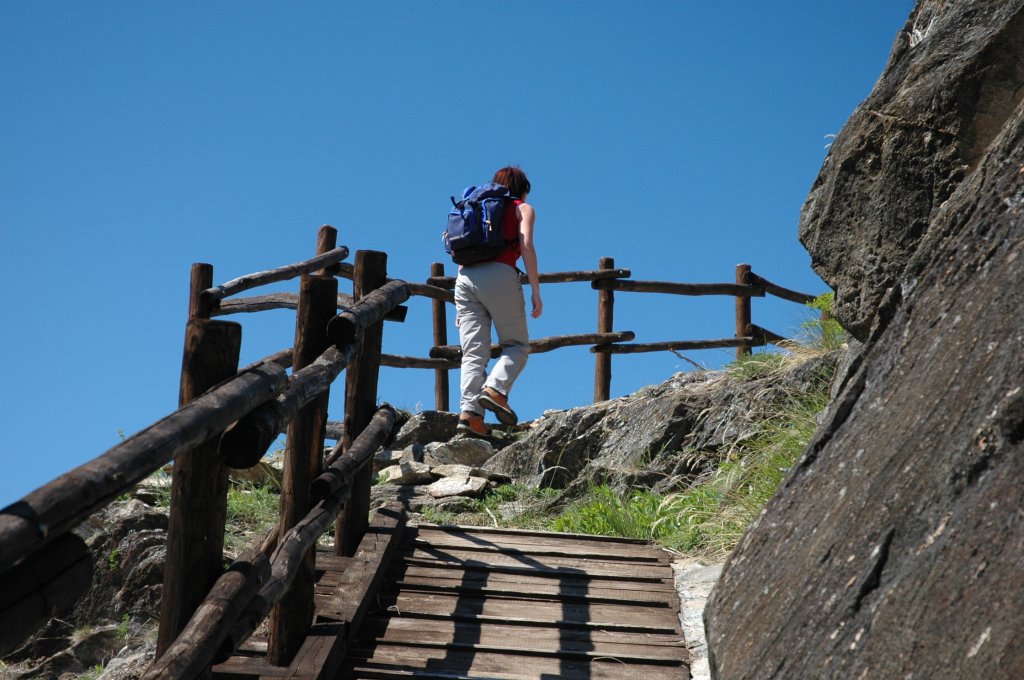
(488, 231)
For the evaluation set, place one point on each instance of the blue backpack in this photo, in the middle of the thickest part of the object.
(476, 230)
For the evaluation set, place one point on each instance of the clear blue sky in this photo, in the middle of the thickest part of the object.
(680, 138)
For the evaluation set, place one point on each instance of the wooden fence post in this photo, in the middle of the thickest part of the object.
(369, 274)
(441, 385)
(605, 317)
(742, 310)
(195, 532)
(318, 300)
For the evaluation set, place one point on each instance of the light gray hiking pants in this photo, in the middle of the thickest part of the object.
(487, 293)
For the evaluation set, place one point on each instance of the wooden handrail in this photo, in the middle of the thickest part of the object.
(247, 441)
(341, 465)
(551, 277)
(213, 295)
(541, 345)
(730, 289)
(200, 641)
(262, 303)
(778, 291)
(65, 502)
(677, 345)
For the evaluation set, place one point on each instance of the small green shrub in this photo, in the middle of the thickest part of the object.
(711, 516)
(758, 365)
(93, 673)
(603, 512)
(822, 332)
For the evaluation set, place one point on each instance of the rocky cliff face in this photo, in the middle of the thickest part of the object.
(952, 82)
(895, 548)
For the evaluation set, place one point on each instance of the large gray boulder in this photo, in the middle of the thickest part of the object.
(895, 547)
(952, 80)
(658, 436)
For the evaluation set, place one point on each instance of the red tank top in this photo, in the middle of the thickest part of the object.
(512, 253)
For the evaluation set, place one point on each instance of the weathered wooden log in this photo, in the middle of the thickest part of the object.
(731, 289)
(779, 291)
(347, 270)
(199, 484)
(542, 345)
(203, 636)
(66, 501)
(440, 323)
(398, 361)
(291, 271)
(285, 563)
(368, 284)
(676, 345)
(763, 336)
(448, 282)
(366, 444)
(344, 328)
(282, 358)
(290, 619)
(335, 430)
(605, 323)
(261, 303)
(247, 441)
(742, 310)
(45, 585)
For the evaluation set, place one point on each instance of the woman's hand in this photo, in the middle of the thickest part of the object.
(538, 304)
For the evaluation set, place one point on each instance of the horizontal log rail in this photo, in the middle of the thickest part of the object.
(282, 358)
(198, 644)
(211, 296)
(693, 289)
(448, 282)
(57, 507)
(341, 466)
(427, 290)
(398, 361)
(765, 336)
(346, 327)
(640, 348)
(262, 303)
(246, 442)
(778, 291)
(541, 345)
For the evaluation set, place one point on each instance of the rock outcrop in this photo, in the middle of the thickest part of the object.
(660, 436)
(953, 80)
(895, 547)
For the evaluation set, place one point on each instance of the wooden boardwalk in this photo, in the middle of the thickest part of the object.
(457, 602)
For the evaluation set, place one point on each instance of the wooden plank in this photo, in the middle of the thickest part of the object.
(245, 667)
(502, 531)
(555, 614)
(460, 664)
(525, 579)
(380, 543)
(540, 591)
(540, 546)
(563, 565)
(540, 641)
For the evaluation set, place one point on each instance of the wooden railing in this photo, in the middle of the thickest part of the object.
(229, 417)
(606, 279)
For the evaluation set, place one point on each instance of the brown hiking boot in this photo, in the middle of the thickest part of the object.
(472, 424)
(493, 400)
